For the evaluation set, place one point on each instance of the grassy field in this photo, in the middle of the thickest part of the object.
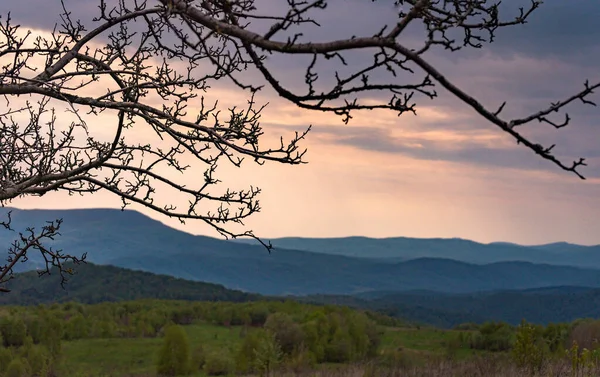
(136, 356)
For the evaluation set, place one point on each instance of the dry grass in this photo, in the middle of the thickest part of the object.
(488, 366)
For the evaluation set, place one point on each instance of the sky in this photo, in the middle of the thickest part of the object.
(443, 173)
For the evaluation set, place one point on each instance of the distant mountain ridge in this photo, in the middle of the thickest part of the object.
(394, 249)
(131, 240)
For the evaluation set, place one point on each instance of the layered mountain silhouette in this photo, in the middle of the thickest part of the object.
(402, 248)
(131, 240)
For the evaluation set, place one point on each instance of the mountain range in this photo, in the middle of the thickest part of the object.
(395, 249)
(345, 266)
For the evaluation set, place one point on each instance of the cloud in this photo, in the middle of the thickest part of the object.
(446, 172)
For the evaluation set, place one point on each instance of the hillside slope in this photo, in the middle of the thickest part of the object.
(92, 284)
(131, 240)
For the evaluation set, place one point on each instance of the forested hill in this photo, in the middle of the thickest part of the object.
(93, 283)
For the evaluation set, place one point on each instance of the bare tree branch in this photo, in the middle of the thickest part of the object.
(438, 16)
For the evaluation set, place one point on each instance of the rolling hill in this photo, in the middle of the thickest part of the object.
(131, 240)
(93, 283)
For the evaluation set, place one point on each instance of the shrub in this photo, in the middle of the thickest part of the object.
(5, 358)
(586, 334)
(39, 361)
(492, 336)
(529, 350)
(301, 361)
(76, 327)
(13, 331)
(258, 315)
(51, 339)
(267, 355)
(17, 368)
(34, 328)
(287, 333)
(556, 335)
(244, 360)
(218, 364)
(174, 355)
(340, 348)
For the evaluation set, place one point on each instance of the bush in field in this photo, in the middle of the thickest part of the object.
(586, 334)
(258, 314)
(267, 355)
(364, 334)
(493, 336)
(301, 361)
(316, 334)
(244, 359)
(52, 334)
(529, 349)
(287, 333)
(39, 361)
(339, 349)
(583, 360)
(76, 327)
(5, 358)
(556, 335)
(13, 331)
(218, 364)
(17, 368)
(174, 354)
(35, 328)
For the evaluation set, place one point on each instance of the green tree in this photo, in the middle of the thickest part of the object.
(493, 336)
(529, 350)
(267, 355)
(13, 330)
(76, 327)
(17, 368)
(218, 364)
(52, 335)
(174, 354)
(245, 355)
(287, 333)
(5, 359)
(35, 328)
(556, 336)
(39, 361)
(339, 350)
